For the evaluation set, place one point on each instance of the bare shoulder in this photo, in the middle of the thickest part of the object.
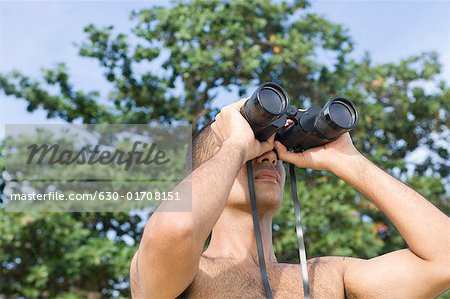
(398, 274)
(326, 276)
(334, 264)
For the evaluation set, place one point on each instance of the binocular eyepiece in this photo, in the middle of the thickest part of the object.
(268, 109)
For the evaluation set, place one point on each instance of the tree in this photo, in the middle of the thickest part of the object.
(204, 47)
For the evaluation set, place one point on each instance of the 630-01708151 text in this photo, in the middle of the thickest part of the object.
(102, 195)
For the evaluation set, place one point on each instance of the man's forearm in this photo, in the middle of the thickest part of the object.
(424, 227)
(211, 185)
(208, 187)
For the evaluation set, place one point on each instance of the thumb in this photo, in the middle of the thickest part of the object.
(268, 144)
(284, 154)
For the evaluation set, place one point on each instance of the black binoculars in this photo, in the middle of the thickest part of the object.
(268, 110)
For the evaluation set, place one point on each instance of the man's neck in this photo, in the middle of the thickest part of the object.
(233, 236)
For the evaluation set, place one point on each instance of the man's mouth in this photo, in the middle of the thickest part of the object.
(267, 175)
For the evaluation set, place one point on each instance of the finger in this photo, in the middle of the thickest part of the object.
(269, 144)
(288, 122)
(238, 104)
(266, 146)
(281, 149)
(284, 154)
(271, 138)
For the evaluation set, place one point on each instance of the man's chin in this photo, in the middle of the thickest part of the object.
(268, 193)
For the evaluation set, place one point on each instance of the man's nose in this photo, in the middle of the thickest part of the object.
(269, 157)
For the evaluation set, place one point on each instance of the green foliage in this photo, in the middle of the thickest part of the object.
(191, 51)
(55, 254)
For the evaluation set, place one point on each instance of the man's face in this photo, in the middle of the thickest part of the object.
(269, 177)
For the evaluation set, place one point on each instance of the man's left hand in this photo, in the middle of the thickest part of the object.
(326, 157)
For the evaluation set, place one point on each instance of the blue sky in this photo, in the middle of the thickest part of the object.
(37, 34)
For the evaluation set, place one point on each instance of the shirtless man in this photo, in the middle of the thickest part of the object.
(170, 261)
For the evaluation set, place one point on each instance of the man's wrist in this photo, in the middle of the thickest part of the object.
(236, 147)
(347, 165)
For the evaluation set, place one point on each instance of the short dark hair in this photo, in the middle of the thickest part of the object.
(202, 146)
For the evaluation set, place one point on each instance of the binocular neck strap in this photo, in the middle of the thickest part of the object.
(298, 226)
(259, 245)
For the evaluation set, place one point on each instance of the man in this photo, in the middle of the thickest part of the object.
(170, 261)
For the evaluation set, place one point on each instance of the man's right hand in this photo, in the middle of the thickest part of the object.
(231, 127)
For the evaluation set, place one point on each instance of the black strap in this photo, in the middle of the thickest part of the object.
(298, 227)
(259, 245)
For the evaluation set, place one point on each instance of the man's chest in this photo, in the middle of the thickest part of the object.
(227, 280)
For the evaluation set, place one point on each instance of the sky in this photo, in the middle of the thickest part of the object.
(36, 34)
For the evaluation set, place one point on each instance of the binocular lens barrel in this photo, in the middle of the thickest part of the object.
(268, 109)
(266, 104)
(338, 116)
(342, 114)
(272, 100)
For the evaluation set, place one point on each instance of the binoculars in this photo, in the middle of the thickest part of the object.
(268, 110)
